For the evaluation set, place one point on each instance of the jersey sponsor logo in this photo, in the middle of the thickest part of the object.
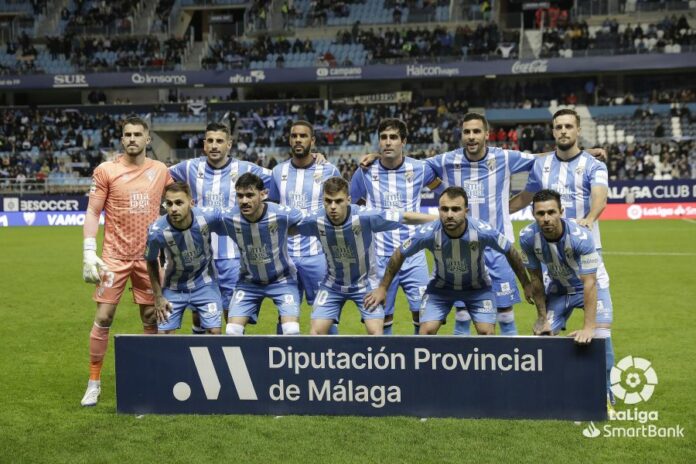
(392, 200)
(191, 256)
(559, 271)
(474, 190)
(454, 265)
(258, 255)
(589, 261)
(343, 253)
(139, 203)
(214, 200)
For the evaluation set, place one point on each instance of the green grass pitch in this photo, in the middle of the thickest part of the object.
(46, 317)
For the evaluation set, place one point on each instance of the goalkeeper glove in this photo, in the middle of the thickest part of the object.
(92, 266)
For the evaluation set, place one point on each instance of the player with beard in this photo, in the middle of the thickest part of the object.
(212, 180)
(583, 184)
(298, 183)
(128, 189)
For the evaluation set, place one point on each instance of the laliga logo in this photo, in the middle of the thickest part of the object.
(633, 380)
(634, 212)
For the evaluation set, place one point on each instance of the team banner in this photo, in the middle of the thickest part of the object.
(37, 202)
(500, 377)
(652, 191)
(349, 73)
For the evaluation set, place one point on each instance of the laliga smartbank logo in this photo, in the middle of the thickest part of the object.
(633, 381)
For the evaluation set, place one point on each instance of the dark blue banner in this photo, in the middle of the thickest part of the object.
(31, 218)
(497, 377)
(454, 69)
(652, 191)
(34, 202)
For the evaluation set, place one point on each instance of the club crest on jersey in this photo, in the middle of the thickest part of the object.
(357, 229)
(273, 227)
(408, 175)
(317, 178)
(474, 246)
(233, 176)
(490, 163)
(150, 174)
(569, 253)
(579, 170)
(205, 230)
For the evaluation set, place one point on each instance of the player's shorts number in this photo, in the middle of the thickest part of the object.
(321, 298)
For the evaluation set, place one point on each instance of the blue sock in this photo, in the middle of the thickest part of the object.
(388, 328)
(416, 328)
(609, 348)
(334, 329)
(462, 322)
(506, 321)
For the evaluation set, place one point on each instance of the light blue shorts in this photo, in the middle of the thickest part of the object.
(228, 276)
(560, 307)
(206, 301)
(412, 277)
(311, 270)
(329, 303)
(437, 303)
(247, 298)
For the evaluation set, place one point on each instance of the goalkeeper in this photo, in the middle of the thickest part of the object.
(128, 189)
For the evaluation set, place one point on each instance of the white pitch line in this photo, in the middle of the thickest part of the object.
(693, 221)
(646, 253)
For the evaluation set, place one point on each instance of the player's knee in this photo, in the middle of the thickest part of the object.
(506, 317)
(485, 329)
(234, 329)
(291, 328)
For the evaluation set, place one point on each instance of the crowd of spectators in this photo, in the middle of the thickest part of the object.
(670, 34)
(125, 52)
(233, 52)
(656, 160)
(429, 43)
(100, 16)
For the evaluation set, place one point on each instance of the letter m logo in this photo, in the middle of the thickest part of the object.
(236, 365)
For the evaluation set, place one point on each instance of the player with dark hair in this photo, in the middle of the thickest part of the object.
(128, 189)
(212, 180)
(394, 184)
(345, 233)
(260, 230)
(298, 183)
(190, 278)
(458, 244)
(567, 252)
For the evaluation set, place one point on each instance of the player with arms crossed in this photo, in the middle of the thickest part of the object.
(128, 189)
(212, 180)
(345, 232)
(297, 183)
(190, 279)
(567, 252)
(458, 245)
(260, 230)
(583, 183)
(394, 184)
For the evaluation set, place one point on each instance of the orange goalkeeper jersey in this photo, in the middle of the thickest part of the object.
(132, 197)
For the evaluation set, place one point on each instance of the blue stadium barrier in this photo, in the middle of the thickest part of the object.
(445, 376)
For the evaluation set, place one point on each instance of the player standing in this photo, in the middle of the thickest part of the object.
(298, 183)
(345, 233)
(458, 244)
(394, 184)
(212, 180)
(128, 189)
(583, 184)
(190, 278)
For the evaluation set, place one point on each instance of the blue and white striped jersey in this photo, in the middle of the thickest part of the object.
(459, 262)
(396, 189)
(573, 179)
(348, 247)
(263, 245)
(188, 253)
(486, 182)
(301, 188)
(214, 188)
(565, 260)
